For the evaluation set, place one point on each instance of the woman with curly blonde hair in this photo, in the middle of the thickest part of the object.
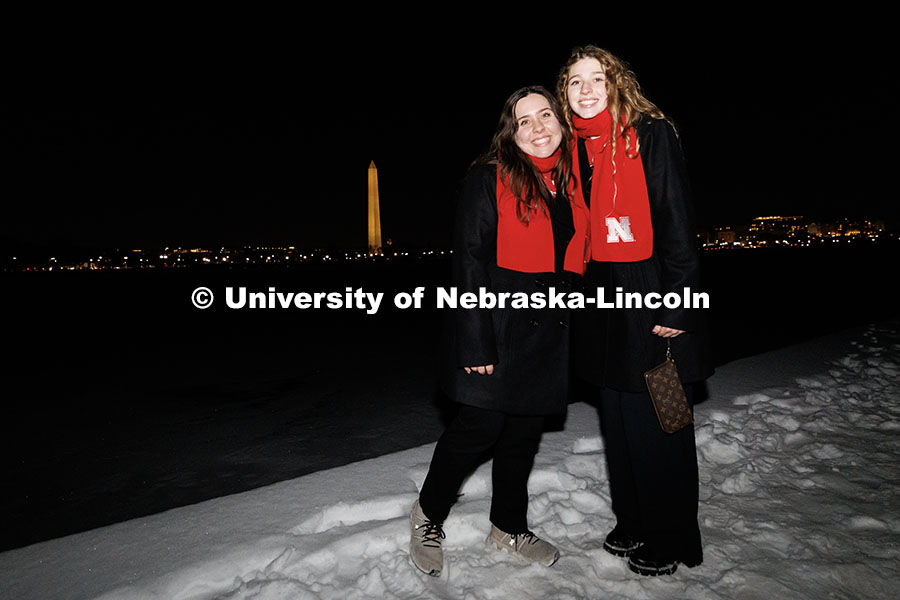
(632, 175)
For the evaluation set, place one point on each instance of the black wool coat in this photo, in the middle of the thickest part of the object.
(529, 347)
(614, 347)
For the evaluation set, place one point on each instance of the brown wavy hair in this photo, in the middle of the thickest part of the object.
(625, 100)
(517, 170)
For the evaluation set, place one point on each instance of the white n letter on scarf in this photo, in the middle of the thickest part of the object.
(618, 230)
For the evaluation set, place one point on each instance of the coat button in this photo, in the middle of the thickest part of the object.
(534, 322)
(540, 283)
(563, 323)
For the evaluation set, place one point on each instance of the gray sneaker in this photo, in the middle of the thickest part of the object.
(527, 545)
(425, 542)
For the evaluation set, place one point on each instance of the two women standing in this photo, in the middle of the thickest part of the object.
(531, 214)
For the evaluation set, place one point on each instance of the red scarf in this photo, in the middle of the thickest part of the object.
(528, 247)
(545, 165)
(621, 230)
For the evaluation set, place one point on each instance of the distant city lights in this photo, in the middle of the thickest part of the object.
(791, 231)
(246, 256)
(761, 233)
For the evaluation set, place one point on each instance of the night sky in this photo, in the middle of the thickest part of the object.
(240, 134)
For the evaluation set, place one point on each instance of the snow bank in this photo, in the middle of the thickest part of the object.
(799, 499)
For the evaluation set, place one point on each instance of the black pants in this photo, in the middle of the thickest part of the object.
(471, 438)
(653, 476)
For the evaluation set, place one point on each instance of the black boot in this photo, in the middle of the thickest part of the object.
(648, 560)
(620, 543)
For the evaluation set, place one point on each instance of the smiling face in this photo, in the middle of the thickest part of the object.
(586, 88)
(539, 132)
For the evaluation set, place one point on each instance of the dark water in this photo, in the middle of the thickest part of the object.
(122, 399)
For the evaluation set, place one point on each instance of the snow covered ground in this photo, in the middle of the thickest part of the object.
(800, 498)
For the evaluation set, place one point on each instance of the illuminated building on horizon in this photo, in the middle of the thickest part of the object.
(374, 212)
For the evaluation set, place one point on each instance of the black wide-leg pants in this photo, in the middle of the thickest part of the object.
(653, 475)
(473, 436)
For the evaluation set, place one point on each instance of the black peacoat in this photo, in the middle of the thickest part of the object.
(614, 347)
(529, 347)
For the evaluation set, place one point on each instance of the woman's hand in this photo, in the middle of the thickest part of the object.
(666, 332)
(482, 370)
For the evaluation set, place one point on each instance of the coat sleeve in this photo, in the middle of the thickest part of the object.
(672, 215)
(474, 254)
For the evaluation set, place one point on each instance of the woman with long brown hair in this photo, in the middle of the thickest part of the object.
(521, 226)
(633, 177)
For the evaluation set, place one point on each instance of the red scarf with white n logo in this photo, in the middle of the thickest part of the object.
(621, 230)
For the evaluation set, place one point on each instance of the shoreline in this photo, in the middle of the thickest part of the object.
(124, 410)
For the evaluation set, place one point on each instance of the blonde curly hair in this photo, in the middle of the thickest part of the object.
(625, 100)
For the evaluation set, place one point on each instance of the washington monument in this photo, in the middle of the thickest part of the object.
(374, 212)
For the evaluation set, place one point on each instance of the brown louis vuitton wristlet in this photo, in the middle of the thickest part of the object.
(667, 394)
